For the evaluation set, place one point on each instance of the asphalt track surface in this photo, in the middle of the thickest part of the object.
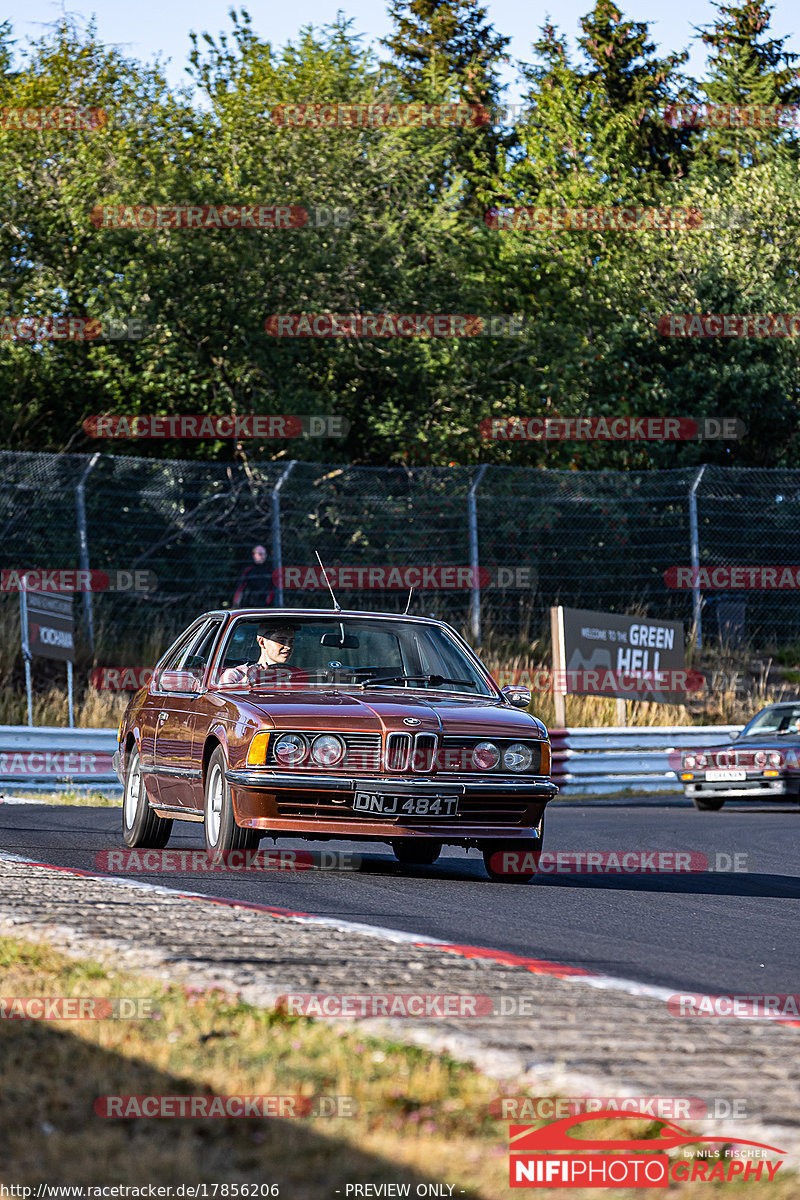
(707, 932)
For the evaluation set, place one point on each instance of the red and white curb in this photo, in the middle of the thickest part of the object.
(536, 966)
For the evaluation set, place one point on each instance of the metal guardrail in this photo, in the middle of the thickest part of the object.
(585, 761)
(47, 757)
(605, 760)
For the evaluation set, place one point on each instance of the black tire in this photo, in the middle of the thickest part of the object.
(221, 831)
(416, 852)
(707, 804)
(141, 826)
(520, 846)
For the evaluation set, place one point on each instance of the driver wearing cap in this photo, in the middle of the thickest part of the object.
(276, 643)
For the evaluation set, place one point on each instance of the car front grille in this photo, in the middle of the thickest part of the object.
(472, 810)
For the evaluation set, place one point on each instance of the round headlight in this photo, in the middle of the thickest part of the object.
(290, 749)
(701, 761)
(327, 750)
(760, 758)
(689, 760)
(485, 756)
(517, 757)
(774, 759)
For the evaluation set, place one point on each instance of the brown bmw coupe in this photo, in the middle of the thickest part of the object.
(325, 724)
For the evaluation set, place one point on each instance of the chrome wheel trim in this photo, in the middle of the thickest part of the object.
(214, 804)
(133, 791)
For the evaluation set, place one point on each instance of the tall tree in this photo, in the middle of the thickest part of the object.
(747, 67)
(454, 38)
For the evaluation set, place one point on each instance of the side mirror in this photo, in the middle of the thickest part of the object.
(519, 697)
(178, 681)
(734, 736)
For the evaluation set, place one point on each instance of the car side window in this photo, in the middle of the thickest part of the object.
(178, 659)
(174, 656)
(196, 656)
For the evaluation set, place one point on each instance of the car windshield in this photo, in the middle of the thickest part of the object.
(354, 652)
(783, 719)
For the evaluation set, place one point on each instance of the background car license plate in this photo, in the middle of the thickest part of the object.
(717, 776)
(400, 806)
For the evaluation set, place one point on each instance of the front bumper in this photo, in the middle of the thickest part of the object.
(757, 788)
(309, 805)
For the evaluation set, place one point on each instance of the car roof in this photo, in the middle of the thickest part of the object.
(279, 614)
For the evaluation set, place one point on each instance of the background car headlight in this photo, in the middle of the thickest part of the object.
(517, 757)
(701, 761)
(291, 749)
(485, 756)
(760, 758)
(774, 759)
(689, 760)
(327, 750)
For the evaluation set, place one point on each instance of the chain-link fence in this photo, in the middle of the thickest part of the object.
(598, 540)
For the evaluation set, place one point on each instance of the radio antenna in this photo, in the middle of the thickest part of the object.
(330, 589)
(408, 604)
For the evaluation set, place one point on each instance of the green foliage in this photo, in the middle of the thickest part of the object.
(416, 241)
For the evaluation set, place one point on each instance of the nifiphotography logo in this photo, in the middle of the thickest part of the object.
(555, 1156)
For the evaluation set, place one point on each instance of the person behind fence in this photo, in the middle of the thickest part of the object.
(276, 643)
(254, 587)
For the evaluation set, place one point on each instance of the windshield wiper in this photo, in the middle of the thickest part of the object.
(434, 679)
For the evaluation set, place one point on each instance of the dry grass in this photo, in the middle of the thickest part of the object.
(739, 681)
(421, 1116)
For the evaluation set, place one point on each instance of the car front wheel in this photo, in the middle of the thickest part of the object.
(707, 804)
(417, 852)
(141, 826)
(222, 832)
(513, 862)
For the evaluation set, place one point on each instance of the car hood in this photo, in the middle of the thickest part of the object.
(372, 710)
(750, 743)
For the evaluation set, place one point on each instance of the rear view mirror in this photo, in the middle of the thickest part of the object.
(178, 681)
(340, 641)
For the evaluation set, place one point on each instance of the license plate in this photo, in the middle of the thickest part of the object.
(718, 776)
(401, 806)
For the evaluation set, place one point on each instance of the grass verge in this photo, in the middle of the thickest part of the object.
(422, 1117)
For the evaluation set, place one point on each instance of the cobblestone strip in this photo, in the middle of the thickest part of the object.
(580, 1040)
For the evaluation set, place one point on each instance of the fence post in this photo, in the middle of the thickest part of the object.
(474, 557)
(277, 549)
(694, 550)
(83, 543)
